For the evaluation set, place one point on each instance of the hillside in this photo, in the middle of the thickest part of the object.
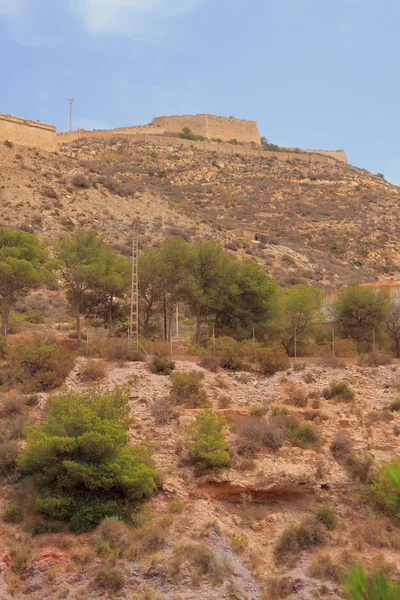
(326, 224)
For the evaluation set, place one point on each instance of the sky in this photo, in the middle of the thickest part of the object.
(318, 74)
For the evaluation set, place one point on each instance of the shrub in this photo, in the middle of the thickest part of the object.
(148, 539)
(376, 586)
(187, 389)
(12, 514)
(375, 359)
(3, 346)
(210, 362)
(111, 579)
(12, 405)
(304, 435)
(117, 349)
(359, 466)
(161, 366)
(81, 462)
(9, 451)
(271, 360)
(240, 542)
(207, 444)
(204, 562)
(112, 536)
(93, 371)
(162, 411)
(340, 391)
(310, 532)
(395, 405)
(341, 444)
(229, 353)
(43, 526)
(35, 316)
(80, 181)
(297, 397)
(385, 487)
(38, 364)
(322, 567)
(260, 432)
(326, 516)
(280, 588)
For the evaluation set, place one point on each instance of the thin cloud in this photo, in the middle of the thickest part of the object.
(136, 18)
(9, 8)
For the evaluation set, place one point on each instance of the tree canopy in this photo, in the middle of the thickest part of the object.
(358, 311)
(81, 462)
(24, 265)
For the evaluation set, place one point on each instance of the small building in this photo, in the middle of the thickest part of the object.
(252, 235)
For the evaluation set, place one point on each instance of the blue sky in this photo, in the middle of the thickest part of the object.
(313, 73)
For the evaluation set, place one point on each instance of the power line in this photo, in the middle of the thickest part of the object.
(71, 101)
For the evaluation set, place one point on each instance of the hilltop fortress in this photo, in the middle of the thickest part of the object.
(223, 134)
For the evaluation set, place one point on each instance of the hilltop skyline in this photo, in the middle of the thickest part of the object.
(312, 76)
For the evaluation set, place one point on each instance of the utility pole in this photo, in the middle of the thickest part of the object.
(134, 314)
(71, 101)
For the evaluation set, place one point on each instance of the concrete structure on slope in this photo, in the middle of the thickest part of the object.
(28, 133)
(212, 127)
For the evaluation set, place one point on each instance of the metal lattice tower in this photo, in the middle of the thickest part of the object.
(71, 101)
(134, 316)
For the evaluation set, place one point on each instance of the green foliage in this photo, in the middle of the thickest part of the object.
(187, 389)
(326, 516)
(35, 316)
(88, 265)
(3, 346)
(360, 586)
(229, 352)
(339, 390)
(161, 366)
(359, 310)
(38, 364)
(111, 579)
(304, 435)
(300, 311)
(24, 266)
(207, 444)
(271, 360)
(308, 533)
(187, 134)
(12, 514)
(385, 488)
(81, 462)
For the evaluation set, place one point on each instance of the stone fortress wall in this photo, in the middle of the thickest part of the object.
(41, 135)
(28, 133)
(212, 127)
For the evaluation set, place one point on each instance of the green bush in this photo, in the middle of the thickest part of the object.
(307, 534)
(43, 526)
(207, 444)
(229, 353)
(340, 391)
(38, 364)
(116, 349)
(35, 316)
(326, 516)
(376, 586)
(386, 485)
(271, 360)
(161, 366)
(304, 435)
(187, 389)
(3, 346)
(111, 579)
(80, 460)
(12, 514)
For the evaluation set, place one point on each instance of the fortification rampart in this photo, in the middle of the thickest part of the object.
(338, 154)
(70, 136)
(212, 127)
(28, 133)
(219, 148)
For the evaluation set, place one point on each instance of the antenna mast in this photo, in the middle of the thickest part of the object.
(134, 313)
(71, 101)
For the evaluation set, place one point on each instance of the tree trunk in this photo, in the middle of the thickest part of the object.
(165, 318)
(6, 314)
(198, 324)
(110, 316)
(397, 347)
(78, 323)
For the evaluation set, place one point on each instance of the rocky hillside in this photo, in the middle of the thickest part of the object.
(324, 223)
(221, 536)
